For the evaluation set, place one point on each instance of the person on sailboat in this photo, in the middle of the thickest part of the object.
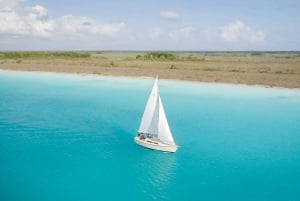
(141, 135)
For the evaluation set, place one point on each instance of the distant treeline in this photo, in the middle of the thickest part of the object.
(43, 54)
(163, 55)
(158, 55)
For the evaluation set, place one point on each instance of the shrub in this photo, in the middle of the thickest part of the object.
(112, 64)
(159, 55)
(138, 56)
(173, 66)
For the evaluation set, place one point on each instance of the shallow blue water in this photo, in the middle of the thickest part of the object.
(70, 137)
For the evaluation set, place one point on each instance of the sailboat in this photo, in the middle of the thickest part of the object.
(154, 131)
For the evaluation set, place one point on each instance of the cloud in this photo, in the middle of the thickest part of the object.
(30, 21)
(78, 25)
(8, 4)
(240, 32)
(19, 20)
(169, 15)
(181, 33)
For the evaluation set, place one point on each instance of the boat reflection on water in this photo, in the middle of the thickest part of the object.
(158, 171)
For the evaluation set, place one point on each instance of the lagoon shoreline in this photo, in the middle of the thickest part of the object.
(148, 77)
(271, 71)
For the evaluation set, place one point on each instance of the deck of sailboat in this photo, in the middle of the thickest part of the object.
(156, 144)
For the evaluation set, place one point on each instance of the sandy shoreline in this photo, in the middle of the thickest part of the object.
(268, 80)
(149, 77)
(269, 69)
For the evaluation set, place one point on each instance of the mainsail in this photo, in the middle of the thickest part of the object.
(150, 112)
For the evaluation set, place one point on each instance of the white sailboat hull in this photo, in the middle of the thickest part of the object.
(155, 144)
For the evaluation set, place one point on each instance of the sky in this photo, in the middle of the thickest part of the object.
(177, 25)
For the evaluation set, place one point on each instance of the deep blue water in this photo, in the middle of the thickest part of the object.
(70, 137)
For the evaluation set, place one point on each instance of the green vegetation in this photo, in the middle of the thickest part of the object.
(138, 56)
(158, 56)
(173, 66)
(42, 55)
(169, 56)
(112, 64)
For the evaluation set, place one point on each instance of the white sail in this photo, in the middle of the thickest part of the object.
(154, 120)
(164, 132)
(150, 115)
(154, 124)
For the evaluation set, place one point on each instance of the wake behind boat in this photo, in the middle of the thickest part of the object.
(154, 131)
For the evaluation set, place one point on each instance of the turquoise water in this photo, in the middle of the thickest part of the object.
(70, 137)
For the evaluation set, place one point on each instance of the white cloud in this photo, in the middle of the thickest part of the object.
(240, 32)
(181, 33)
(169, 15)
(8, 4)
(78, 25)
(39, 11)
(19, 20)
